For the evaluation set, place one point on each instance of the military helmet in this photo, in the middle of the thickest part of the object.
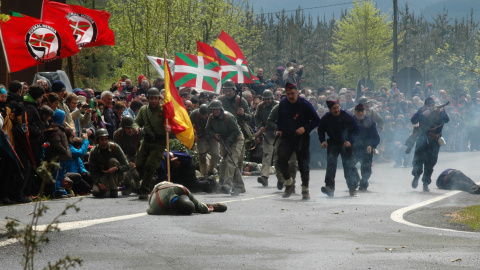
(153, 92)
(101, 133)
(363, 100)
(203, 109)
(267, 94)
(229, 84)
(127, 121)
(215, 104)
(182, 205)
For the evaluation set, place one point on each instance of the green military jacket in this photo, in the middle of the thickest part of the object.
(199, 124)
(231, 107)
(272, 118)
(129, 144)
(152, 120)
(99, 159)
(166, 194)
(225, 125)
(261, 116)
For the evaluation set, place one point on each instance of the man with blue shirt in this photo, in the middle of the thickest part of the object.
(296, 119)
(342, 129)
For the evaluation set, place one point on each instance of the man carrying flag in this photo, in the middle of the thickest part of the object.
(151, 119)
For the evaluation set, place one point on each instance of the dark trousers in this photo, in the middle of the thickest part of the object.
(365, 159)
(300, 145)
(349, 170)
(425, 158)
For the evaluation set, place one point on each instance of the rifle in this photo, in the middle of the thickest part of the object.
(410, 142)
(229, 153)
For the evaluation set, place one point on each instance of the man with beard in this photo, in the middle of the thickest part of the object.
(431, 121)
(342, 130)
(268, 133)
(364, 146)
(296, 119)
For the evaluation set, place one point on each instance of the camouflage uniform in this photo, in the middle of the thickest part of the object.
(205, 145)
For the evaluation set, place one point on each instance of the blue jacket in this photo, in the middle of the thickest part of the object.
(75, 165)
(430, 125)
(368, 134)
(338, 128)
(292, 116)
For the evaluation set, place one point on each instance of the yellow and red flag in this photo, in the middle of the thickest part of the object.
(207, 51)
(227, 46)
(175, 111)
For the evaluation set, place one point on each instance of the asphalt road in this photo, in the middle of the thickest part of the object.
(261, 230)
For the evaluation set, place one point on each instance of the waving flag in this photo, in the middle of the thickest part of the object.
(28, 41)
(158, 64)
(227, 46)
(89, 26)
(207, 51)
(175, 111)
(236, 70)
(196, 71)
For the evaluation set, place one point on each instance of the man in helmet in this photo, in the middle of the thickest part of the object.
(296, 119)
(129, 140)
(268, 133)
(151, 119)
(223, 126)
(107, 163)
(238, 107)
(205, 143)
(173, 199)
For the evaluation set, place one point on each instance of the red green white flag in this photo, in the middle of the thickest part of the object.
(157, 63)
(236, 69)
(196, 71)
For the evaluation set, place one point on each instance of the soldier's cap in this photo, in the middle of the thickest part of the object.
(360, 107)
(331, 103)
(290, 86)
(182, 205)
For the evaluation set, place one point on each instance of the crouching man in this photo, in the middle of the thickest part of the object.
(107, 164)
(173, 199)
(452, 179)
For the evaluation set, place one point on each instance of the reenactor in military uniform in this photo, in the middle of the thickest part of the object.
(223, 127)
(267, 131)
(107, 164)
(173, 199)
(151, 119)
(205, 143)
(129, 140)
(238, 107)
(292, 163)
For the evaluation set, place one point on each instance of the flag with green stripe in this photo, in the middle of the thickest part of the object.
(196, 71)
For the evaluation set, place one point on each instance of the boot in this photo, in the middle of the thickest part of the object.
(305, 195)
(262, 180)
(425, 188)
(353, 192)
(288, 191)
(279, 185)
(328, 191)
(415, 181)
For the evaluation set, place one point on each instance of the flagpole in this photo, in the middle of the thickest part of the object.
(166, 122)
(4, 52)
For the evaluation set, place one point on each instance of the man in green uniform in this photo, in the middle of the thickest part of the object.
(223, 127)
(205, 143)
(107, 164)
(267, 131)
(151, 119)
(238, 107)
(169, 198)
(129, 140)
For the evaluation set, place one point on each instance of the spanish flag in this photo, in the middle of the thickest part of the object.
(226, 45)
(207, 51)
(175, 111)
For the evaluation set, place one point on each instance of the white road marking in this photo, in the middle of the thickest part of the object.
(397, 215)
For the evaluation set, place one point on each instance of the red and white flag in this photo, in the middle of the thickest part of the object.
(196, 71)
(157, 63)
(28, 41)
(89, 26)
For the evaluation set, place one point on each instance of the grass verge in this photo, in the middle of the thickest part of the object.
(469, 216)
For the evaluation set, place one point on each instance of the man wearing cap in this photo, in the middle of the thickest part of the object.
(417, 91)
(292, 162)
(431, 121)
(60, 89)
(365, 144)
(107, 164)
(174, 199)
(370, 113)
(129, 140)
(296, 119)
(342, 130)
(151, 119)
(267, 131)
(205, 143)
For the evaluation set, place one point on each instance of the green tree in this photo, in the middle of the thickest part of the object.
(362, 45)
